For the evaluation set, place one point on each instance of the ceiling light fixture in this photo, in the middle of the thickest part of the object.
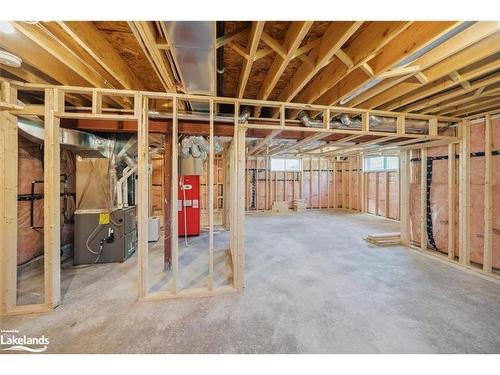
(7, 58)
(6, 27)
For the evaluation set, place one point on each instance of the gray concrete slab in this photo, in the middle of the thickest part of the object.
(313, 286)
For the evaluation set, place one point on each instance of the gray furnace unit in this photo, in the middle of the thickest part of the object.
(103, 237)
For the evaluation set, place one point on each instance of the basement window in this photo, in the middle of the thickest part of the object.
(287, 165)
(381, 163)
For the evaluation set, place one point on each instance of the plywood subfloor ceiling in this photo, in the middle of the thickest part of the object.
(439, 68)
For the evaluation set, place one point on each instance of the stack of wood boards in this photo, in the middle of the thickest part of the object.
(280, 206)
(384, 239)
(299, 205)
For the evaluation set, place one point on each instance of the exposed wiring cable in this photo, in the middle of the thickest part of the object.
(91, 235)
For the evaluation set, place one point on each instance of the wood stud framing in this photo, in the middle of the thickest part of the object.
(464, 196)
(488, 195)
(423, 199)
(451, 200)
(54, 111)
(8, 210)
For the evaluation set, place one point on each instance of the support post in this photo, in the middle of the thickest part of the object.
(310, 182)
(335, 205)
(319, 183)
(404, 187)
(54, 103)
(386, 194)
(141, 109)
(423, 199)
(328, 165)
(451, 200)
(488, 196)
(464, 192)
(174, 227)
(240, 133)
(211, 160)
(8, 211)
(167, 187)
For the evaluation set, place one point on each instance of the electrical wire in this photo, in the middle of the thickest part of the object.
(94, 232)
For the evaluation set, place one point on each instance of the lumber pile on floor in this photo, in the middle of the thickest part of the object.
(384, 239)
(280, 206)
(299, 205)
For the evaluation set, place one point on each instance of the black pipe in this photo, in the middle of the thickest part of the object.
(220, 59)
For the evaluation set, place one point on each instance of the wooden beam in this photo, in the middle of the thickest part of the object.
(471, 104)
(303, 142)
(464, 195)
(39, 35)
(252, 45)
(210, 202)
(397, 72)
(488, 195)
(451, 200)
(41, 60)
(487, 104)
(54, 103)
(481, 114)
(404, 194)
(262, 53)
(333, 39)
(415, 37)
(8, 209)
(174, 195)
(465, 51)
(264, 142)
(306, 48)
(455, 76)
(457, 103)
(344, 57)
(296, 33)
(167, 210)
(423, 199)
(93, 41)
(369, 42)
(422, 78)
(141, 109)
(367, 69)
(348, 148)
(417, 106)
(240, 233)
(238, 49)
(223, 40)
(145, 33)
(274, 44)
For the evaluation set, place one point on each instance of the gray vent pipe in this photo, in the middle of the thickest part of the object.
(244, 115)
(377, 122)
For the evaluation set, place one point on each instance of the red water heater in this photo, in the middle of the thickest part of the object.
(189, 205)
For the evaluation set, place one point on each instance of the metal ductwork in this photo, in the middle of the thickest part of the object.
(84, 144)
(197, 147)
(386, 124)
(244, 115)
(192, 44)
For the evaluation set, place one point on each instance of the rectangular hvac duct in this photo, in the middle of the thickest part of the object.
(192, 44)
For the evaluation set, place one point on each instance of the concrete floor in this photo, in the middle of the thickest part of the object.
(313, 286)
